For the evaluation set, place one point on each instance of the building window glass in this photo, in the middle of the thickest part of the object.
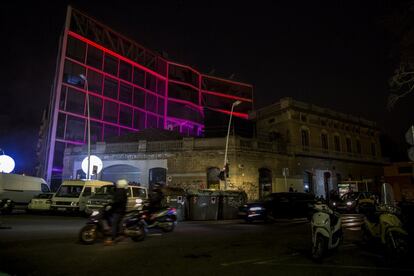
(125, 93)
(348, 145)
(151, 121)
(96, 131)
(161, 106)
(76, 49)
(139, 119)
(324, 141)
(94, 82)
(75, 101)
(150, 82)
(72, 72)
(125, 70)
(111, 88)
(95, 107)
(111, 112)
(151, 102)
(125, 116)
(75, 129)
(337, 143)
(161, 87)
(95, 57)
(111, 65)
(139, 77)
(139, 98)
(110, 131)
(305, 138)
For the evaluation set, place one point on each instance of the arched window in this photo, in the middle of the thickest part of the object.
(304, 132)
(337, 142)
(324, 140)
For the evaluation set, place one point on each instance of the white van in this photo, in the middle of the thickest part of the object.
(17, 190)
(72, 195)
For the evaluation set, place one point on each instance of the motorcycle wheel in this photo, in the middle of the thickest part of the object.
(141, 234)
(397, 244)
(318, 249)
(87, 234)
(169, 227)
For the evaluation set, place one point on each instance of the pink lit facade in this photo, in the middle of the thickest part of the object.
(130, 88)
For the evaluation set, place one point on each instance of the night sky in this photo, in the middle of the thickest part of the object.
(335, 54)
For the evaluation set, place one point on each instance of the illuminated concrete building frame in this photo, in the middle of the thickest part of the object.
(130, 88)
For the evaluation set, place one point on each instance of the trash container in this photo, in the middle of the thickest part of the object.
(203, 205)
(176, 197)
(230, 202)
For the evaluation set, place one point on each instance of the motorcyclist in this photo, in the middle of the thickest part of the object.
(118, 208)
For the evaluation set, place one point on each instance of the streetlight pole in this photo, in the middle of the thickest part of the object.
(227, 143)
(88, 175)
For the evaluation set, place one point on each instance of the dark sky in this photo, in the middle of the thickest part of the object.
(335, 54)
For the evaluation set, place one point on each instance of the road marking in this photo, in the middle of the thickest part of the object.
(346, 267)
(242, 262)
(154, 234)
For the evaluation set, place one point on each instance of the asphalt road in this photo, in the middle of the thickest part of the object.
(47, 245)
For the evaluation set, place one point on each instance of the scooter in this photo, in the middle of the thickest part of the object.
(383, 225)
(97, 227)
(164, 219)
(326, 230)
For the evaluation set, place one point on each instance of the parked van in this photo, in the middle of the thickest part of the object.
(16, 190)
(104, 194)
(72, 195)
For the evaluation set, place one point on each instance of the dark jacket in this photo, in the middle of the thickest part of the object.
(119, 201)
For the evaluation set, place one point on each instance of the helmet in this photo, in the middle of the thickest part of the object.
(122, 183)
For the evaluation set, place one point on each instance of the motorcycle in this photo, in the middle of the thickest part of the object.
(326, 230)
(164, 219)
(382, 224)
(132, 225)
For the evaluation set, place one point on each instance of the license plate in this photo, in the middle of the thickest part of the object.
(61, 209)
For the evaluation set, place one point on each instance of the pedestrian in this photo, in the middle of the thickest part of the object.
(290, 189)
(119, 203)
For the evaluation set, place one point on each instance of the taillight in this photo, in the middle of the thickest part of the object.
(173, 210)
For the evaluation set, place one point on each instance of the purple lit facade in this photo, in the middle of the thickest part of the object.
(130, 88)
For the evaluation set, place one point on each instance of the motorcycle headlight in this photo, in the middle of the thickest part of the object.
(334, 203)
(257, 208)
(349, 203)
(94, 213)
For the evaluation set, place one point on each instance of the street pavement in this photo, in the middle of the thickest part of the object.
(48, 245)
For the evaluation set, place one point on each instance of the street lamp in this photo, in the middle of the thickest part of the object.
(227, 143)
(88, 175)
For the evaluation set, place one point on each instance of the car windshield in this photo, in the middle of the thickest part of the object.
(69, 191)
(105, 190)
(46, 196)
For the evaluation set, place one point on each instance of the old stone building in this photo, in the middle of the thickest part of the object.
(298, 146)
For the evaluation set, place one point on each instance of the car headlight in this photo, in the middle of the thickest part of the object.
(257, 208)
(74, 203)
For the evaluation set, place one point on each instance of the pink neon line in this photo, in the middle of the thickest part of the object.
(180, 121)
(225, 80)
(75, 35)
(185, 102)
(226, 96)
(112, 77)
(184, 66)
(237, 114)
(183, 83)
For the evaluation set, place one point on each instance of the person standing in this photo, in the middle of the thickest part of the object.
(119, 204)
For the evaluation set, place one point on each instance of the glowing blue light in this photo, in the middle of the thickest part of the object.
(6, 164)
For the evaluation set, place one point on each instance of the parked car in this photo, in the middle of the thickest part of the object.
(16, 191)
(352, 202)
(279, 205)
(103, 196)
(41, 202)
